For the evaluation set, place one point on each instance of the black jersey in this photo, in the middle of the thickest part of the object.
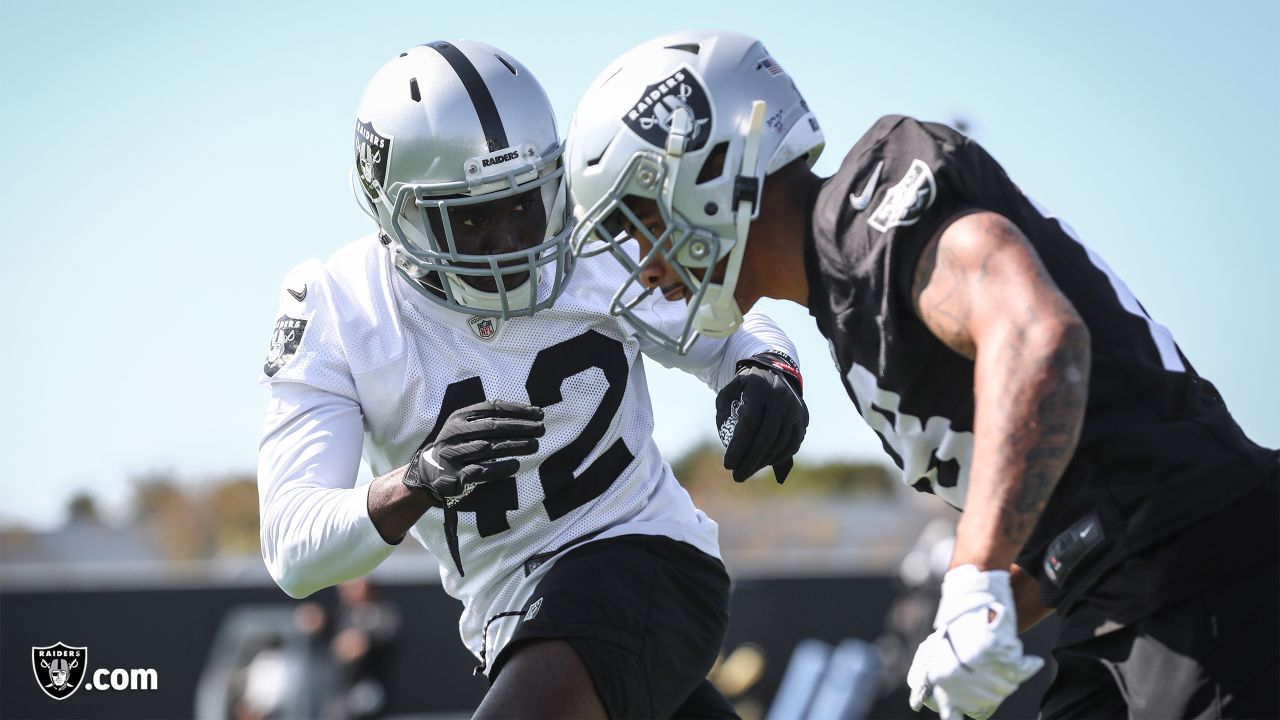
(1158, 450)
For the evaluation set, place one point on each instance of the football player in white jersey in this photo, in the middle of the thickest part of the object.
(503, 410)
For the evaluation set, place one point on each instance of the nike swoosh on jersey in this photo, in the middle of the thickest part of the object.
(298, 295)
(863, 199)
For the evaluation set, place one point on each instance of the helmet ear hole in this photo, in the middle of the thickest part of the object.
(713, 167)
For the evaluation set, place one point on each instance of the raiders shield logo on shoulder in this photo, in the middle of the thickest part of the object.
(59, 669)
(905, 202)
(373, 150)
(650, 117)
(284, 343)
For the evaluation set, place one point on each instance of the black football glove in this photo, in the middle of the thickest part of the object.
(761, 416)
(476, 444)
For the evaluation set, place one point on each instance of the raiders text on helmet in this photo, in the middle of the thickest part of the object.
(448, 125)
(693, 121)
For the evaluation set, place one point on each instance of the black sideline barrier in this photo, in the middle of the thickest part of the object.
(172, 630)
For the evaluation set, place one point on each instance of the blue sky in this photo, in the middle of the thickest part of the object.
(169, 162)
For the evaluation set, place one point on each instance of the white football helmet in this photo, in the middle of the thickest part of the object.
(451, 124)
(694, 121)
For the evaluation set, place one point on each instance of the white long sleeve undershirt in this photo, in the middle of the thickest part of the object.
(316, 529)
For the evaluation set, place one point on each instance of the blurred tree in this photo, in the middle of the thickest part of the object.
(191, 521)
(178, 524)
(702, 468)
(701, 471)
(82, 510)
(152, 490)
(13, 539)
(233, 504)
(845, 478)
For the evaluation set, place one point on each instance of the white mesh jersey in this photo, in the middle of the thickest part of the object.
(360, 359)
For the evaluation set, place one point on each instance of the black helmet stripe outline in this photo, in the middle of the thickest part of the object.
(490, 121)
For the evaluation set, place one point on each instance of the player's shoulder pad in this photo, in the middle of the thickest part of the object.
(902, 134)
(300, 284)
(351, 282)
(890, 179)
(360, 282)
(336, 317)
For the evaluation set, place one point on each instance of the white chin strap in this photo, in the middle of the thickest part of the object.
(519, 298)
(718, 315)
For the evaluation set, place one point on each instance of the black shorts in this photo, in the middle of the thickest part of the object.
(1216, 655)
(647, 615)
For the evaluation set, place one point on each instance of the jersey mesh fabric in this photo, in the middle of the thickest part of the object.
(404, 352)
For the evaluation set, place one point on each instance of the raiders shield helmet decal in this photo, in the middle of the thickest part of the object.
(284, 343)
(372, 152)
(650, 117)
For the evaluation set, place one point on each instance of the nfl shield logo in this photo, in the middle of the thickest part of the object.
(59, 669)
(484, 328)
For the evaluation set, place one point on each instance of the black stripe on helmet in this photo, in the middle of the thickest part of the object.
(495, 134)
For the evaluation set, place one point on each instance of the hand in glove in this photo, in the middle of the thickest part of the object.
(973, 660)
(476, 444)
(761, 416)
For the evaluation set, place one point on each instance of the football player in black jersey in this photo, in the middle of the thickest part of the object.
(1003, 365)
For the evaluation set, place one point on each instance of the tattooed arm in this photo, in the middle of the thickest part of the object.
(981, 289)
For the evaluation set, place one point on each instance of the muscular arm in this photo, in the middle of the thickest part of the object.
(981, 289)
